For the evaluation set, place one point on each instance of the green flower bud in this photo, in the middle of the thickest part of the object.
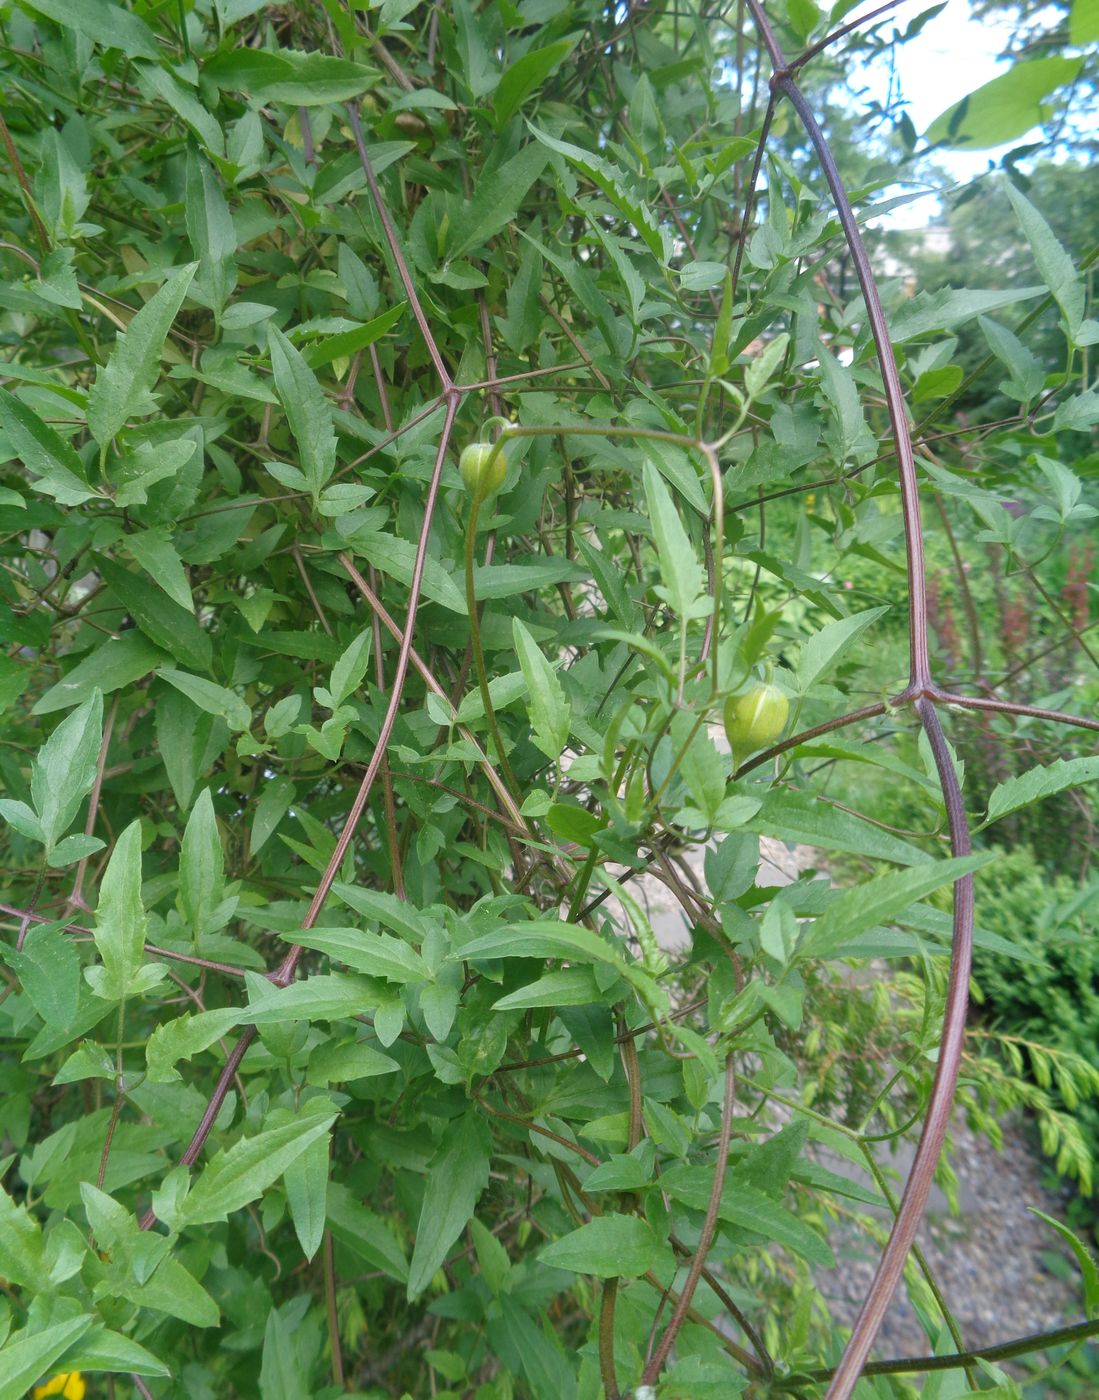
(483, 468)
(756, 719)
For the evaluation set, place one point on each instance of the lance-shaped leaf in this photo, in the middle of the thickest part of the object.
(548, 709)
(53, 461)
(307, 411)
(122, 388)
(120, 919)
(457, 1176)
(64, 769)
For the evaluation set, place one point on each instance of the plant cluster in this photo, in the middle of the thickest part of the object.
(401, 405)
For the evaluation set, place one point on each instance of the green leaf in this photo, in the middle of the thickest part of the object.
(333, 347)
(48, 966)
(384, 908)
(548, 709)
(1054, 264)
(116, 664)
(120, 919)
(526, 75)
(880, 900)
(201, 867)
(1089, 1273)
(574, 986)
(212, 235)
(333, 997)
(286, 75)
(155, 552)
(109, 26)
(306, 1183)
(1004, 108)
(376, 954)
(282, 1371)
(826, 647)
(307, 411)
(59, 471)
(241, 1173)
(212, 698)
(360, 1230)
(26, 1359)
(1027, 375)
(397, 557)
(456, 1177)
(170, 626)
(543, 938)
(682, 578)
(1083, 23)
(611, 180)
(122, 386)
(21, 1247)
(1036, 783)
(183, 1038)
(949, 308)
(611, 1246)
(274, 802)
(349, 670)
(802, 819)
(496, 201)
(747, 1208)
(64, 768)
(340, 1064)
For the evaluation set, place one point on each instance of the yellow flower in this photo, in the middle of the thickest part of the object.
(69, 1385)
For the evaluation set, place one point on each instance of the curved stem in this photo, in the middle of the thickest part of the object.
(478, 649)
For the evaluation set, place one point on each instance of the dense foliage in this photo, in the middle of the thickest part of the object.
(341, 1052)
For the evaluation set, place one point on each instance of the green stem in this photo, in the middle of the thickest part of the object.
(478, 649)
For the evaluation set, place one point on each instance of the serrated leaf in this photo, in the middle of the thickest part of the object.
(25, 1359)
(120, 921)
(109, 26)
(880, 900)
(548, 709)
(375, 954)
(184, 1037)
(611, 1246)
(457, 1176)
(122, 387)
(241, 1173)
(164, 622)
(1054, 264)
(59, 472)
(1036, 783)
(64, 768)
(48, 966)
(307, 411)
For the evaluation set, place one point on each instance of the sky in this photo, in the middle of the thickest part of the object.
(952, 56)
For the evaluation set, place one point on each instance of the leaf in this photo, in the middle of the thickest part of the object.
(282, 1372)
(116, 664)
(241, 1173)
(384, 908)
(27, 1359)
(109, 26)
(48, 966)
(747, 1208)
(274, 802)
(949, 308)
(611, 1246)
(122, 387)
(306, 1183)
(573, 986)
(1089, 1273)
(526, 75)
(1004, 108)
(286, 75)
(548, 709)
(349, 670)
(21, 1247)
(456, 1177)
(611, 180)
(201, 867)
(163, 621)
(496, 201)
(1036, 783)
(880, 900)
(307, 411)
(375, 954)
(334, 997)
(59, 471)
(212, 235)
(359, 1229)
(1083, 23)
(1054, 265)
(1027, 375)
(802, 819)
(64, 768)
(340, 1064)
(826, 647)
(183, 1038)
(212, 698)
(333, 347)
(682, 579)
(119, 930)
(397, 557)
(543, 938)
(157, 555)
